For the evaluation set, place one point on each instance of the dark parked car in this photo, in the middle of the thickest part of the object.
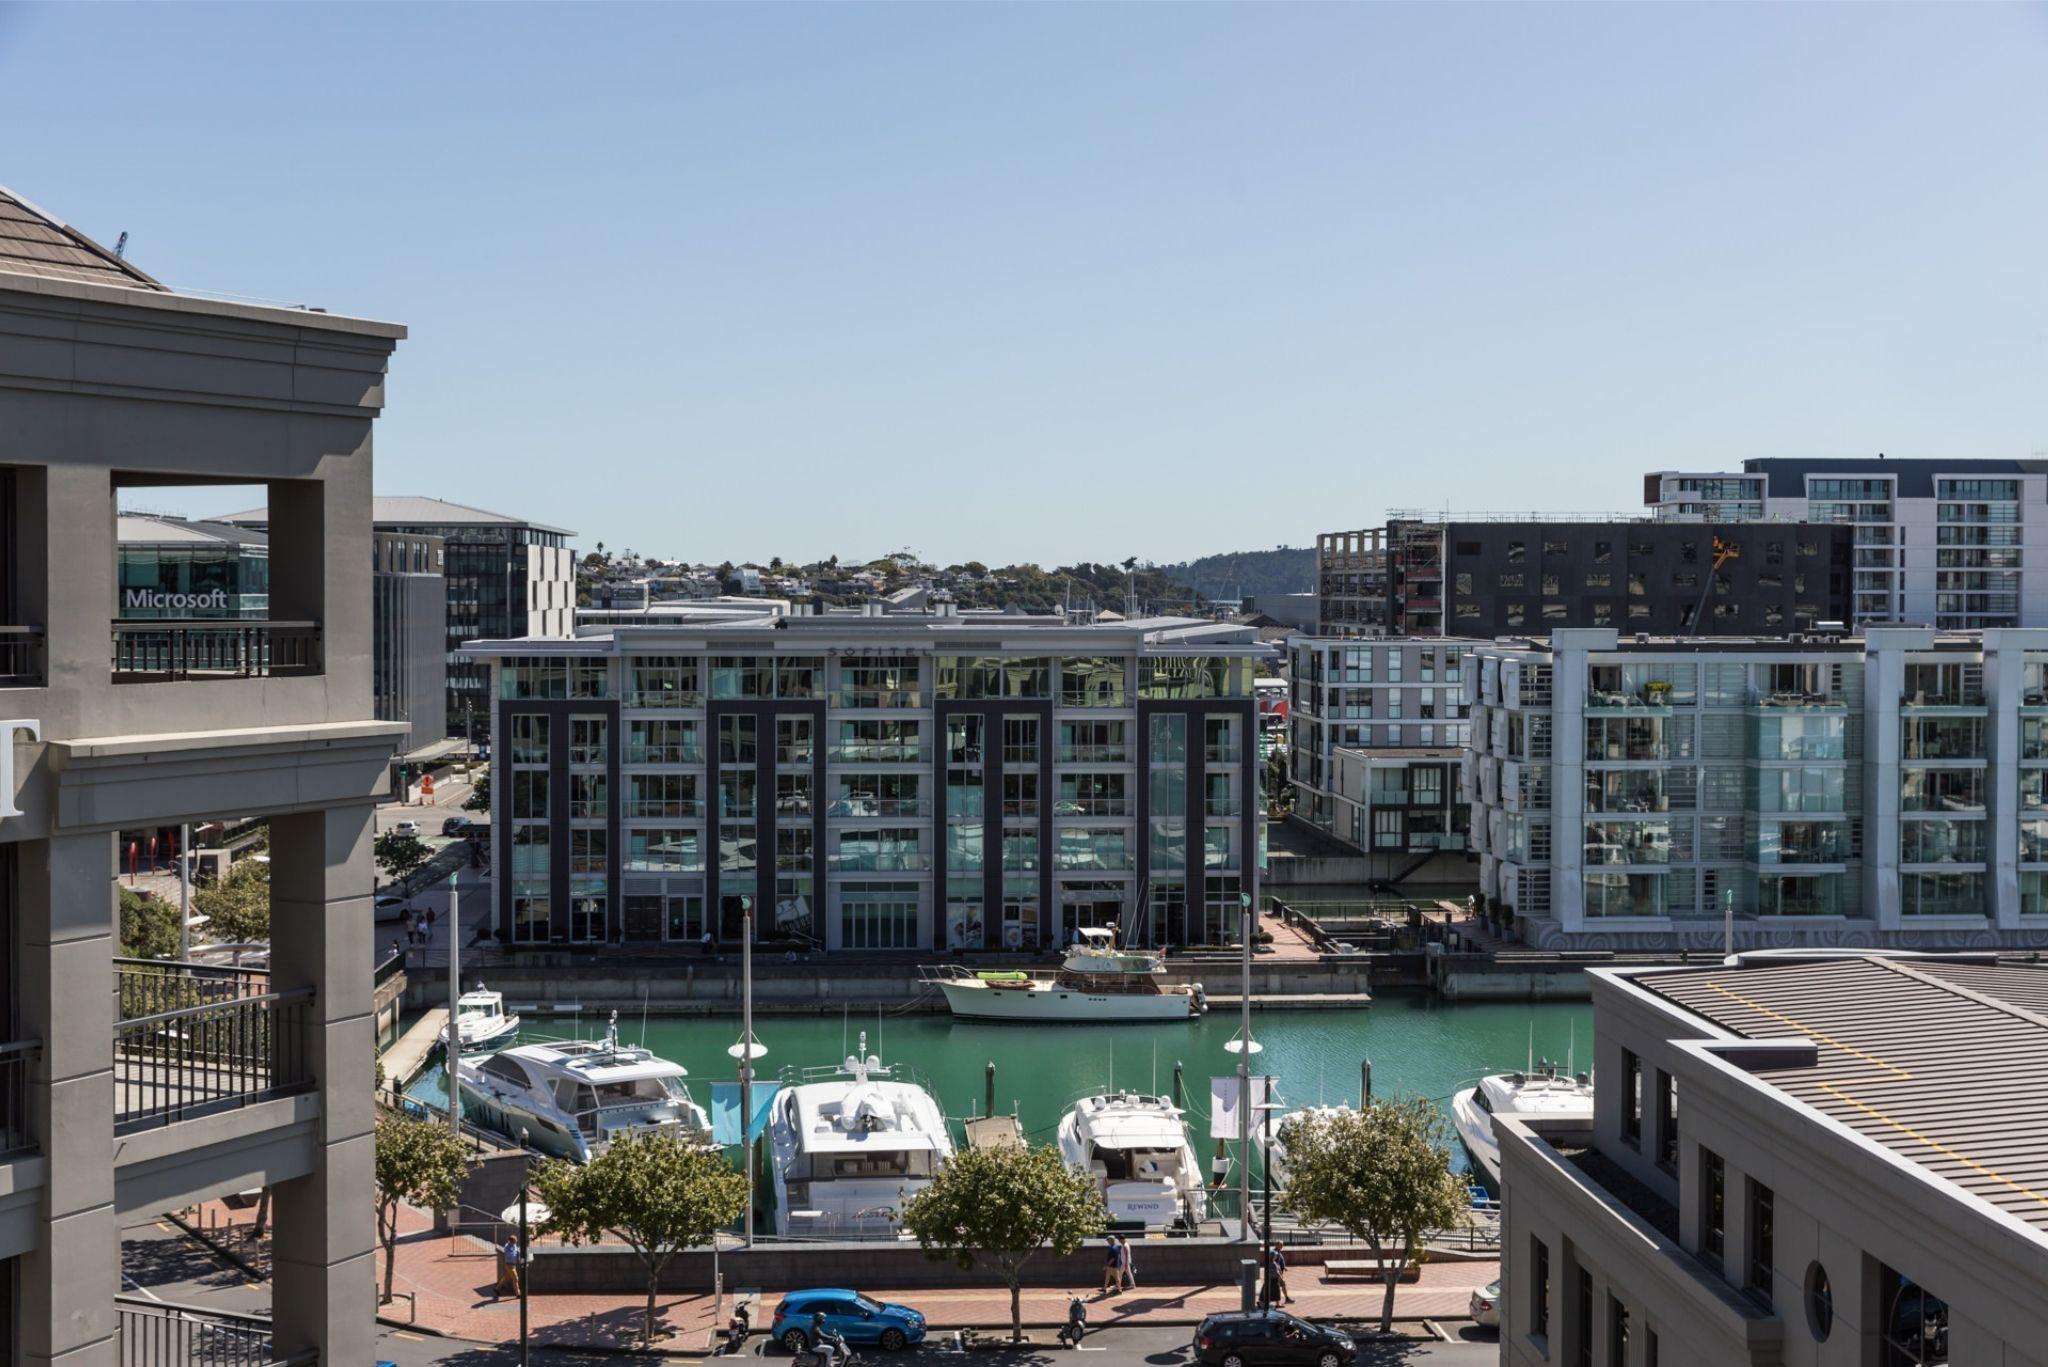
(456, 825)
(1270, 1338)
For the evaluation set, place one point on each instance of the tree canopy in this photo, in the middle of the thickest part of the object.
(1001, 1205)
(1382, 1174)
(655, 1190)
(479, 799)
(401, 854)
(236, 905)
(149, 926)
(418, 1161)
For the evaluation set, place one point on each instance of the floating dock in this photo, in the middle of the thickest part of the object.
(407, 1059)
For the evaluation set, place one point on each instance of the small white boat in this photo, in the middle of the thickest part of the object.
(1096, 982)
(1277, 1152)
(574, 1097)
(1543, 1090)
(851, 1149)
(1136, 1148)
(480, 1018)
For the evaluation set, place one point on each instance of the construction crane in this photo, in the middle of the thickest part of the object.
(1724, 551)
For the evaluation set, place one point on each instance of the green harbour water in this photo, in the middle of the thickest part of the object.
(1416, 1046)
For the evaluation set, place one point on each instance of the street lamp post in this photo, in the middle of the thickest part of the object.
(1244, 1046)
(525, 1257)
(746, 1051)
(1266, 1109)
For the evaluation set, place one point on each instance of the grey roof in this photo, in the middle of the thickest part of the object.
(1939, 1061)
(1785, 477)
(33, 242)
(409, 510)
(148, 529)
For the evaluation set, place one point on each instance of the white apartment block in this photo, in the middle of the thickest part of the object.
(1954, 544)
(1796, 1159)
(1883, 790)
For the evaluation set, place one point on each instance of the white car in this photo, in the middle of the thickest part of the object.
(388, 908)
(406, 828)
(1485, 1306)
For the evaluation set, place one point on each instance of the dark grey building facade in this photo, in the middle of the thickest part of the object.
(410, 672)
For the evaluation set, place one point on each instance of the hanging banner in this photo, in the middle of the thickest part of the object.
(1223, 1103)
(725, 1111)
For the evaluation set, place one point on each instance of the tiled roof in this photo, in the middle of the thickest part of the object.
(34, 243)
(1939, 1061)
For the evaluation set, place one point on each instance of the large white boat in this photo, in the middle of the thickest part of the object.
(1136, 1148)
(481, 1019)
(1096, 982)
(574, 1097)
(849, 1150)
(1543, 1090)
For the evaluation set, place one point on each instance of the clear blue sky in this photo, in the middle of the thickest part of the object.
(1064, 281)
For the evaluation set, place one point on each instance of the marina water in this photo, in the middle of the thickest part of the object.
(1417, 1046)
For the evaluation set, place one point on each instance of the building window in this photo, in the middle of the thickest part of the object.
(1820, 1303)
(1582, 1320)
(882, 918)
(1713, 1203)
(586, 919)
(1631, 1098)
(1667, 1121)
(1093, 681)
(1617, 1332)
(530, 920)
(1539, 1289)
(1914, 1322)
(1757, 1278)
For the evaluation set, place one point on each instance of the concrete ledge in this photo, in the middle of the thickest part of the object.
(239, 740)
(196, 1160)
(21, 1204)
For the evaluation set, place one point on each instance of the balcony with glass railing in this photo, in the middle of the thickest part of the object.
(160, 650)
(1092, 754)
(21, 657)
(879, 752)
(664, 754)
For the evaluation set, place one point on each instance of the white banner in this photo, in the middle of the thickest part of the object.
(1223, 1104)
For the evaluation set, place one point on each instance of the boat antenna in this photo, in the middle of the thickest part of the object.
(1530, 1067)
(1571, 1047)
(643, 1014)
(1155, 1067)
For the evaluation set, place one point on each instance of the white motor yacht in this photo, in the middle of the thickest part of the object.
(1543, 1090)
(1277, 1152)
(1096, 982)
(481, 1019)
(850, 1149)
(574, 1097)
(1137, 1149)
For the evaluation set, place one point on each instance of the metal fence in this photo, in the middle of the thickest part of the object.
(17, 1064)
(174, 1065)
(184, 649)
(21, 657)
(148, 987)
(162, 1334)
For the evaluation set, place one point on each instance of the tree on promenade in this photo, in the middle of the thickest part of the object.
(1002, 1205)
(1383, 1174)
(149, 926)
(479, 799)
(656, 1190)
(401, 854)
(418, 1161)
(237, 905)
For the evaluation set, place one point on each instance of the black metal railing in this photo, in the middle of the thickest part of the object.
(21, 657)
(149, 987)
(17, 1064)
(158, 1333)
(151, 651)
(198, 1060)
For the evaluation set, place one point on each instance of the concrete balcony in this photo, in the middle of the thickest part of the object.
(156, 1333)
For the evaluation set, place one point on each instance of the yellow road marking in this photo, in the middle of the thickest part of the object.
(1808, 1030)
(162, 1226)
(1934, 1144)
(409, 1338)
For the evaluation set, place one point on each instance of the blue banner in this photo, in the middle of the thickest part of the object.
(725, 1110)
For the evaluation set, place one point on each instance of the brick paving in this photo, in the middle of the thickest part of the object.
(444, 1286)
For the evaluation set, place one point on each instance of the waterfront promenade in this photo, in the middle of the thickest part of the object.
(444, 1287)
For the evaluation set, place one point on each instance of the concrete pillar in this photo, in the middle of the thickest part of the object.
(66, 926)
(322, 1288)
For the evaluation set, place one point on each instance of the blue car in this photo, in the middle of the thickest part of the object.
(848, 1314)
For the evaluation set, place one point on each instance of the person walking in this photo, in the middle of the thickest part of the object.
(1276, 1277)
(508, 1268)
(1112, 1267)
(1130, 1265)
(705, 941)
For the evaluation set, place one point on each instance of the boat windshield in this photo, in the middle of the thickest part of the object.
(1136, 1165)
(471, 1009)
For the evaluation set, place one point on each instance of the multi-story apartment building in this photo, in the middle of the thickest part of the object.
(1889, 789)
(411, 674)
(1955, 544)
(1481, 577)
(1375, 736)
(127, 1090)
(503, 577)
(1857, 1177)
(880, 780)
(1351, 583)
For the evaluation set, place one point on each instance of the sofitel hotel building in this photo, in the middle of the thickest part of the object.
(876, 781)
